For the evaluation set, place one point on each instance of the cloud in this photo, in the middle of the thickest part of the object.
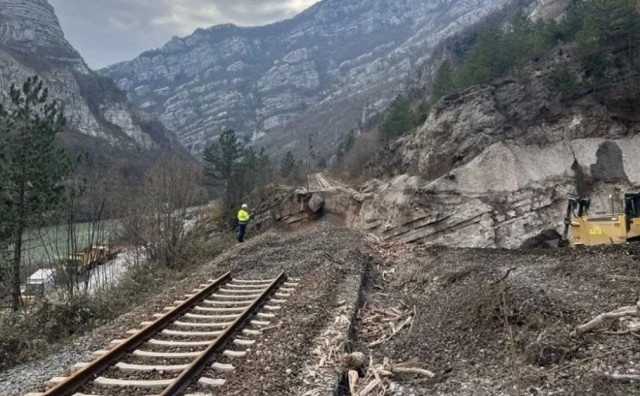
(109, 31)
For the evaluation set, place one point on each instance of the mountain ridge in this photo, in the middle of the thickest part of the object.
(331, 68)
(100, 119)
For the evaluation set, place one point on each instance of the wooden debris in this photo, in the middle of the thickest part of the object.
(623, 377)
(353, 381)
(369, 388)
(352, 361)
(393, 333)
(410, 367)
(378, 376)
(630, 311)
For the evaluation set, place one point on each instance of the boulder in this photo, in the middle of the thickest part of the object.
(316, 203)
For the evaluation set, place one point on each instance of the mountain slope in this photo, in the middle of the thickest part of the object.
(331, 68)
(100, 120)
(494, 164)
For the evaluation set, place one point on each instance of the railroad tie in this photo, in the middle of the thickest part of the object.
(147, 384)
(237, 310)
(240, 291)
(244, 342)
(234, 354)
(56, 380)
(244, 304)
(99, 353)
(232, 297)
(205, 343)
(79, 366)
(127, 367)
(211, 382)
(215, 325)
(212, 317)
(206, 319)
(115, 343)
(253, 282)
(223, 367)
(191, 333)
(166, 355)
(218, 316)
(234, 286)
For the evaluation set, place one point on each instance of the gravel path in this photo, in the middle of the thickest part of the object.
(322, 254)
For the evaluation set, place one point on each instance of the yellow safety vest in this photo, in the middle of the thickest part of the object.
(243, 216)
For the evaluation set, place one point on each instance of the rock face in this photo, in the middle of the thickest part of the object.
(494, 166)
(332, 68)
(98, 114)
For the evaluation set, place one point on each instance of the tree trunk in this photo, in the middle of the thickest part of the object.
(17, 250)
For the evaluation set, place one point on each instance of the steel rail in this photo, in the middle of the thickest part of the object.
(201, 362)
(80, 378)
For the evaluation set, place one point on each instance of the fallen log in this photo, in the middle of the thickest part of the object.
(630, 311)
(623, 377)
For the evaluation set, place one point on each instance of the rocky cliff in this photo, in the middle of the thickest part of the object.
(334, 67)
(493, 166)
(100, 119)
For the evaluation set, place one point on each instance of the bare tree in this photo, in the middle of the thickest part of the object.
(157, 218)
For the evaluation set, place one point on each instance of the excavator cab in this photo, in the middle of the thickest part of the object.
(632, 211)
(600, 229)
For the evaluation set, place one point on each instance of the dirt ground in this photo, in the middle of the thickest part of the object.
(496, 322)
(328, 261)
(485, 322)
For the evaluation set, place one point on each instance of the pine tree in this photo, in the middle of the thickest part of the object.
(222, 159)
(288, 166)
(398, 121)
(34, 167)
(264, 169)
(444, 82)
(347, 144)
(5, 229)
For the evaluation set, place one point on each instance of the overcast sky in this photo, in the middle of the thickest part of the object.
(109, 31)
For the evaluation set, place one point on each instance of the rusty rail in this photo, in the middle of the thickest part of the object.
(77, 380)
(201, 362)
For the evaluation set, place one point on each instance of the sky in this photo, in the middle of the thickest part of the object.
(109, 31)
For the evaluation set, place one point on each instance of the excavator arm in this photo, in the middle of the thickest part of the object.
(582, 206)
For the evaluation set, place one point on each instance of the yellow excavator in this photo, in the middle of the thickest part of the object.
(582, 229)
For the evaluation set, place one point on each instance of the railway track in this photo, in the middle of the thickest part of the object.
(209, 332)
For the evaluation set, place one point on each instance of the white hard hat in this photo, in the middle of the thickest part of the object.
(245, 206)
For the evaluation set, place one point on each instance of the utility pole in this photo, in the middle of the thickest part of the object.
(309, 158)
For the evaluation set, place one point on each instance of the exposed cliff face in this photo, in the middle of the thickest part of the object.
(330, 69)
(98, 114)
(494, 166)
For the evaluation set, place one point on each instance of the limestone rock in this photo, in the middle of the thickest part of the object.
(316, 203)
(494, 166)
(32, 42)
(333, 67)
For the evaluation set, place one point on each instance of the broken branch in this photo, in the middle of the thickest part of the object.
(595, 322)
(395, 331)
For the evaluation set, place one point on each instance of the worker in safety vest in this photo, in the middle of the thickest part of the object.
(243, 219)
